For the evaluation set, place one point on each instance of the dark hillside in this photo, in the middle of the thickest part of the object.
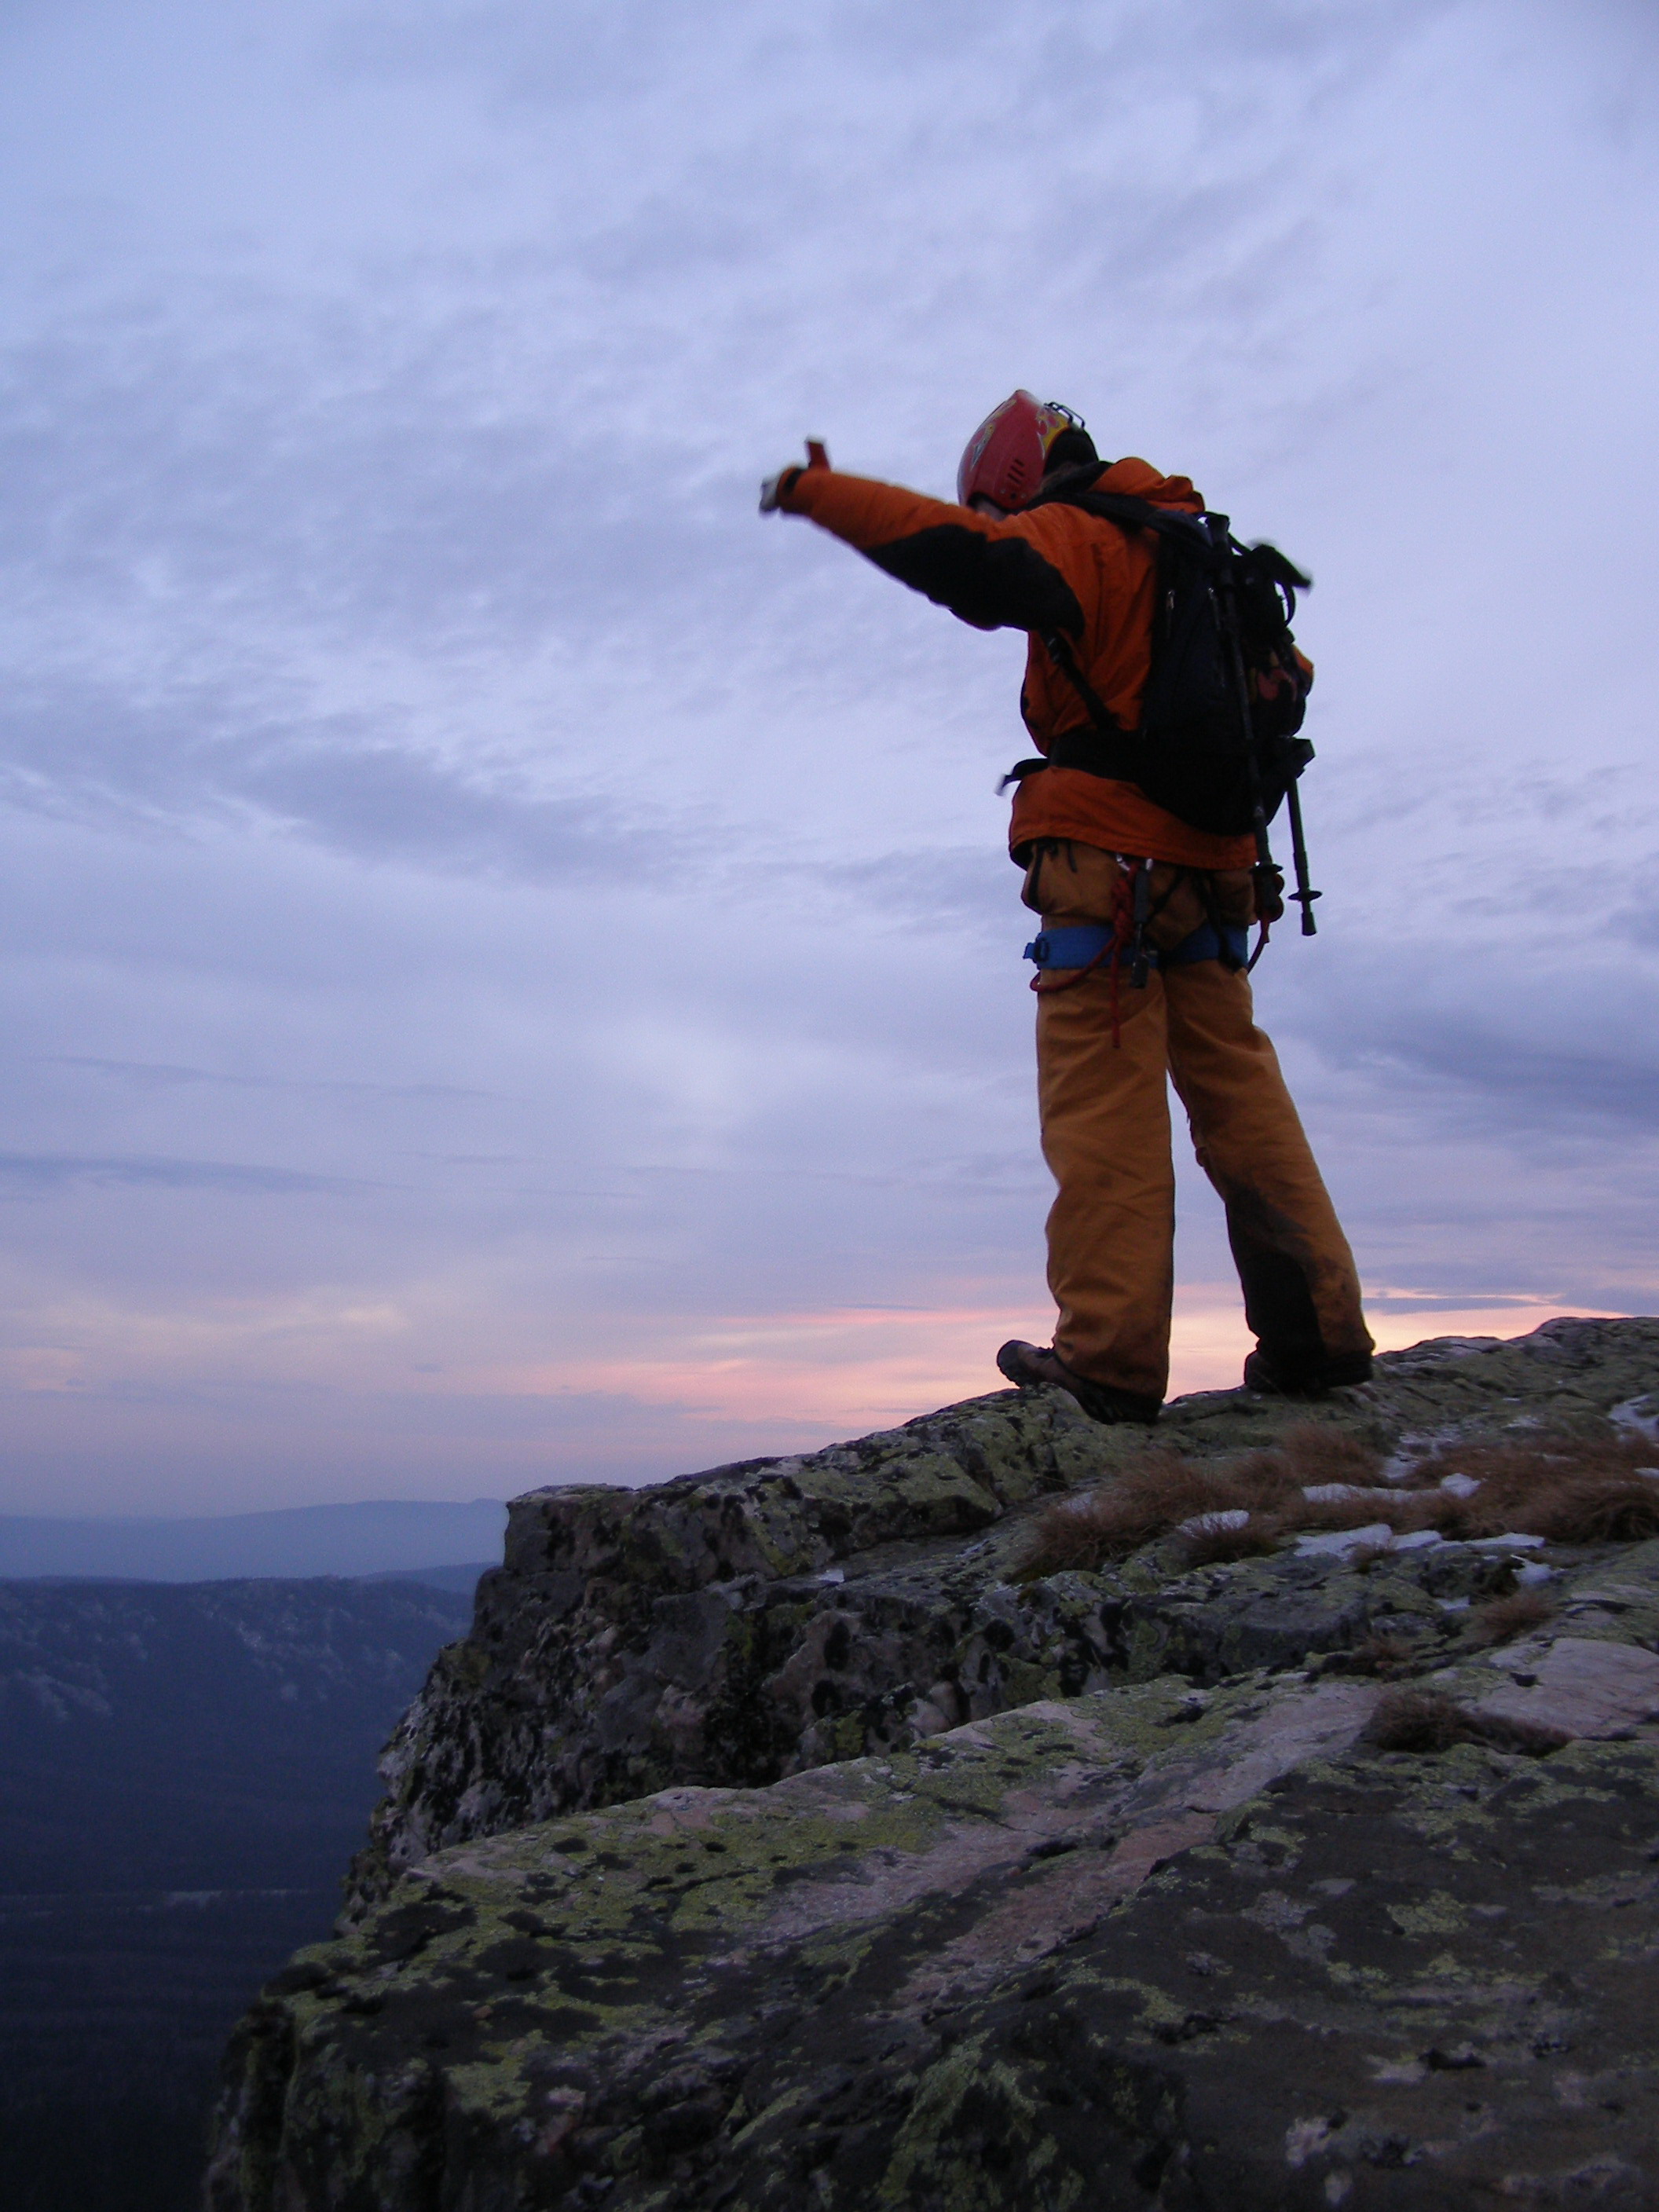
(184, 1771)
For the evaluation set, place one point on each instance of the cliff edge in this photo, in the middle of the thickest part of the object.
(1005, 1811)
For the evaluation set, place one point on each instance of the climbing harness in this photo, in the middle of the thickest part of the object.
(1085, 947)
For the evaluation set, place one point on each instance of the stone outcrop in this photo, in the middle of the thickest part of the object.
(740, 1625)
(900, 1880)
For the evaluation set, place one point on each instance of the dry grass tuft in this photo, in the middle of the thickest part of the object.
(1316, 1452)
(1155, 1496)
(1418, 1720)
(1213, 1547)
(1364, 1557)
(1320, 1513)
(1382, 1653)
(1567, 1489)
(1607, 1509)
(1143, 1503)
(1514, 1467)
(1506, 1618)
(1429, 1721)
(1260, 1481)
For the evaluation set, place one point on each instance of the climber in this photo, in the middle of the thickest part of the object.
(1100, 859)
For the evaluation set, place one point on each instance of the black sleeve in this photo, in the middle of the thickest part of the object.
(995, 583)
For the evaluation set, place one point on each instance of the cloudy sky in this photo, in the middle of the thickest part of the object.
(509, 965)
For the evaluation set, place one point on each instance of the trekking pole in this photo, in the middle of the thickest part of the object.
(1304, 898)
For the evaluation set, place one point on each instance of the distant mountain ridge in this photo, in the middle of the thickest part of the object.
(377, 1536)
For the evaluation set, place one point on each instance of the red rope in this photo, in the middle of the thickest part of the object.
(1122, 930)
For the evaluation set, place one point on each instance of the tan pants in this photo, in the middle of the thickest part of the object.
(1105, 1114)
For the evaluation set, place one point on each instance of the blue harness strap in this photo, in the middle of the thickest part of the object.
(1089, 941)
(1070, 948)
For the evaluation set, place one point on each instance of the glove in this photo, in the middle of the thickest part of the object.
(776, 488)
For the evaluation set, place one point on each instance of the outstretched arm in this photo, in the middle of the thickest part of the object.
(984, 569)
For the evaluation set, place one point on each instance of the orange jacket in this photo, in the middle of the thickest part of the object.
(1049, 568)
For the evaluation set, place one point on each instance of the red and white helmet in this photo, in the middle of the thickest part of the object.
(1004, 459)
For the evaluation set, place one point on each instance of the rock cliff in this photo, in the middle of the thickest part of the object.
(799, 1834)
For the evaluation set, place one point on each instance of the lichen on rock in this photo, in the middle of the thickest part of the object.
(737, 1626)
(1094, 1889)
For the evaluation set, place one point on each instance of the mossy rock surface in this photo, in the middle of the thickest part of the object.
(1150, 1946)
(735, 1627)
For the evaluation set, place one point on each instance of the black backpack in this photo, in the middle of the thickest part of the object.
(1218, 743)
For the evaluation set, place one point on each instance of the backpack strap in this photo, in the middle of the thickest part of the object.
(1108, 750)
(1202, 537)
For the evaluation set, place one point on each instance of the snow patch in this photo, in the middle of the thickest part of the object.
(1340, 1542)
(1639, 1414)
(1207, 1524)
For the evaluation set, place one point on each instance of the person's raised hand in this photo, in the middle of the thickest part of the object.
(775, 488)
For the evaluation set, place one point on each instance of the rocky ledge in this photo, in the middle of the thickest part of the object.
(794, 1836)
(738, 1627)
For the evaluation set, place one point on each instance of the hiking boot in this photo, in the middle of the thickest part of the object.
(1027, 1365)
(1295, 1379)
